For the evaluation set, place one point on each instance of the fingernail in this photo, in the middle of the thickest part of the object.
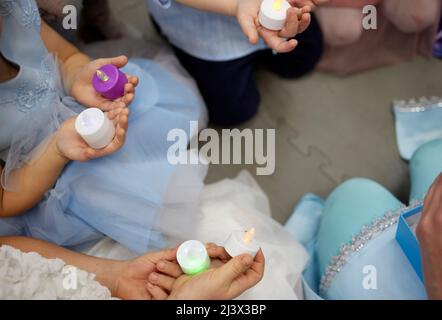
(161, 265)
(150, 285)
(153, 277)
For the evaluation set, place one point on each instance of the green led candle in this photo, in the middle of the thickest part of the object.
(192, 257)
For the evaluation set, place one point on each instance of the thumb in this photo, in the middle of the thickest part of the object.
(248, 26)
(119, 61)
(234, 268)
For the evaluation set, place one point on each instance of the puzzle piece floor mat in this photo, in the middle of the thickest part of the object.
(328, 129)
(331, 129)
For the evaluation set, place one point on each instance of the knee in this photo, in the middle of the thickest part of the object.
(343, 31)
(412, 17)
(359, 186)
(425, 155)
(342, 36)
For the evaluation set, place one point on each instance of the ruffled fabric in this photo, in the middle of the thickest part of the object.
(29, 276)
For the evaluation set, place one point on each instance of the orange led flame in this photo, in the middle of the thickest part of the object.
(277, 5)
(248, 236)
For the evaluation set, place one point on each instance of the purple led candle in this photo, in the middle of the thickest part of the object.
(109, 81)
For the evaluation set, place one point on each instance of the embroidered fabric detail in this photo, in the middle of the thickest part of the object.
(31, 16)
(34, 93)
(418, 105)
(367, 233)
(5, 7)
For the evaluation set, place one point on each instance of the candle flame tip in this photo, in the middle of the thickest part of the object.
(277, 5)
(102, 76)
(249, 235)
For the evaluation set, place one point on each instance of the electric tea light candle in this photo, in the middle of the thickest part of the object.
(109, 81)
(95, 128)
(273, 14)
(192, 257)
(241, 242)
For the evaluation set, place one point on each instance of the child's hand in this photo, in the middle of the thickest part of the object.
(298, 19)
(227, 279)
(83, 91)
(309, 3)
(71, 145)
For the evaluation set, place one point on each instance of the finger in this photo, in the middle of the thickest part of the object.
(134, 80)
(112, 114)
(129, 88)
(277, 43)
(156, 292)
(216, 252)
(89, 154)
(168, 255)
(258, 265)
(123, 119)
(234, 268)
(250, 278)
(169, 268)
(291, 26)
(106, 106)
(119, 61)
(114, 146)
(128, 98)
(162, 281)
(286, 46)
(248, 26)
(306, 19)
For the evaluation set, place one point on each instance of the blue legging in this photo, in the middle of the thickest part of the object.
(358, 202)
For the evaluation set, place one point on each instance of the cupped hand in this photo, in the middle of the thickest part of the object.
(298, 20)
(71, 145)
(132, 277)
(226, 279)
(83, 91)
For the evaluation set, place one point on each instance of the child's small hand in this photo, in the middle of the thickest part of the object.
(71, 145)
(310, 3)
(83, 91)
(298, 19)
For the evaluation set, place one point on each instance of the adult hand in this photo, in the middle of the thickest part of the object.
(70, 144)
(227, 279)
(429, 233)
(132, 276)
(83, 91)
(298, 19)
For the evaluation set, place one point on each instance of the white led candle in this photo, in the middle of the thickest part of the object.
(95, 128)
(273, 14)
(192, 257)
(241, 242)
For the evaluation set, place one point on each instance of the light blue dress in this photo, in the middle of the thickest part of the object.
(133, 196)
(205, 35)
(355, 228)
